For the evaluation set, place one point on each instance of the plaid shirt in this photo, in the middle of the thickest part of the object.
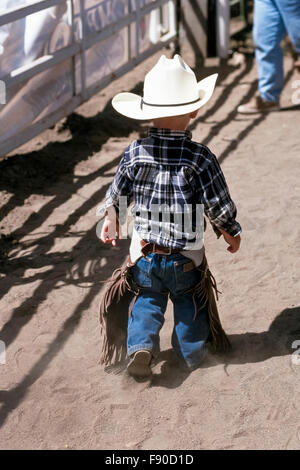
(167, 167)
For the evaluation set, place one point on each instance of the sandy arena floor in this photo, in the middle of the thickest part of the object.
(54, 394)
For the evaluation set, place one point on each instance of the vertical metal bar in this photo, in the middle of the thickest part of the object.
(137, 29)
(82, 47)
(171, 19)
(71, 3)
(161, 17)
(129, 32)
(178, 25)
(222, 24)
(244, 11)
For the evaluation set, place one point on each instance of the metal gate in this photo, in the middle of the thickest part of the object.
(163, 31)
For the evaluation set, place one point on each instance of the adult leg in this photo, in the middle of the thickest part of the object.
(268, 32)
(290, 13)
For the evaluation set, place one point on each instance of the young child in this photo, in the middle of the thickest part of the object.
(169, 170)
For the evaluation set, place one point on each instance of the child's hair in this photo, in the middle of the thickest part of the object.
(173, 121)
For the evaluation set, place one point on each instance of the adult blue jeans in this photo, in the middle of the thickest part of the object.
(159, 276)
(272, 20)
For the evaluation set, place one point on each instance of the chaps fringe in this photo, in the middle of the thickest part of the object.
(113, 314)
(117, 303)
(207, 292)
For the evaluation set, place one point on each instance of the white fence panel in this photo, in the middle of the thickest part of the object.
(55, 54)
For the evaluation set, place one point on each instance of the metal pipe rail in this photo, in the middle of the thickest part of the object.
(79, 47)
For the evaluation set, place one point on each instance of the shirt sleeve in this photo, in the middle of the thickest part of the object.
(120, 186)
(218, 205)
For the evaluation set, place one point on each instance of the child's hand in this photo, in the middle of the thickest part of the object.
(110, 231)
(233, 242)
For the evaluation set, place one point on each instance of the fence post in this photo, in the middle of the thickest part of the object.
(73, 40)
(137, 30)
(178, 22)
(2, 92)
(82, 54)
(129, 10)
(2, 352)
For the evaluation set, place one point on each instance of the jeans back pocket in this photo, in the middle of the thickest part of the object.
(141, 272)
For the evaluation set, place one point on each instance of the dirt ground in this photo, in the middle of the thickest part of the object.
(54, 394)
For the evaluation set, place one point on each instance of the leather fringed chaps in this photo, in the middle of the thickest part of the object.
(114, 310)
(117, 302)
(208, 292)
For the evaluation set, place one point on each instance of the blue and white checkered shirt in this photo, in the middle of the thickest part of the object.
(168, 168)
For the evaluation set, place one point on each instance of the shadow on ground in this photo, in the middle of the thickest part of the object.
(246, 348)
(37, 173)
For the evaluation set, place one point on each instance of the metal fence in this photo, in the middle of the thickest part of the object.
(77, 49)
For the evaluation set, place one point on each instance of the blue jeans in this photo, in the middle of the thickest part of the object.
(158, 276)
(272, 20)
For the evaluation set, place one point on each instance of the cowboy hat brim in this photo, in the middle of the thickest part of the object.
(132, 105)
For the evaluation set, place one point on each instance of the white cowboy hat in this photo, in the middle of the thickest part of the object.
(170, 89)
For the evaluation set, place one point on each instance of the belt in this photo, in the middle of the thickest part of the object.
(149, 247)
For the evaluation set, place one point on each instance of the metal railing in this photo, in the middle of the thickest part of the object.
(78, 48)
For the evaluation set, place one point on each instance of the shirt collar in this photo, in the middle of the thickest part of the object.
(169, 134)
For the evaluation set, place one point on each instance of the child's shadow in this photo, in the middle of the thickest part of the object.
(279, 340)
(172, 373)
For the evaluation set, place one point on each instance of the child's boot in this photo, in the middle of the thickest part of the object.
(139, 365)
